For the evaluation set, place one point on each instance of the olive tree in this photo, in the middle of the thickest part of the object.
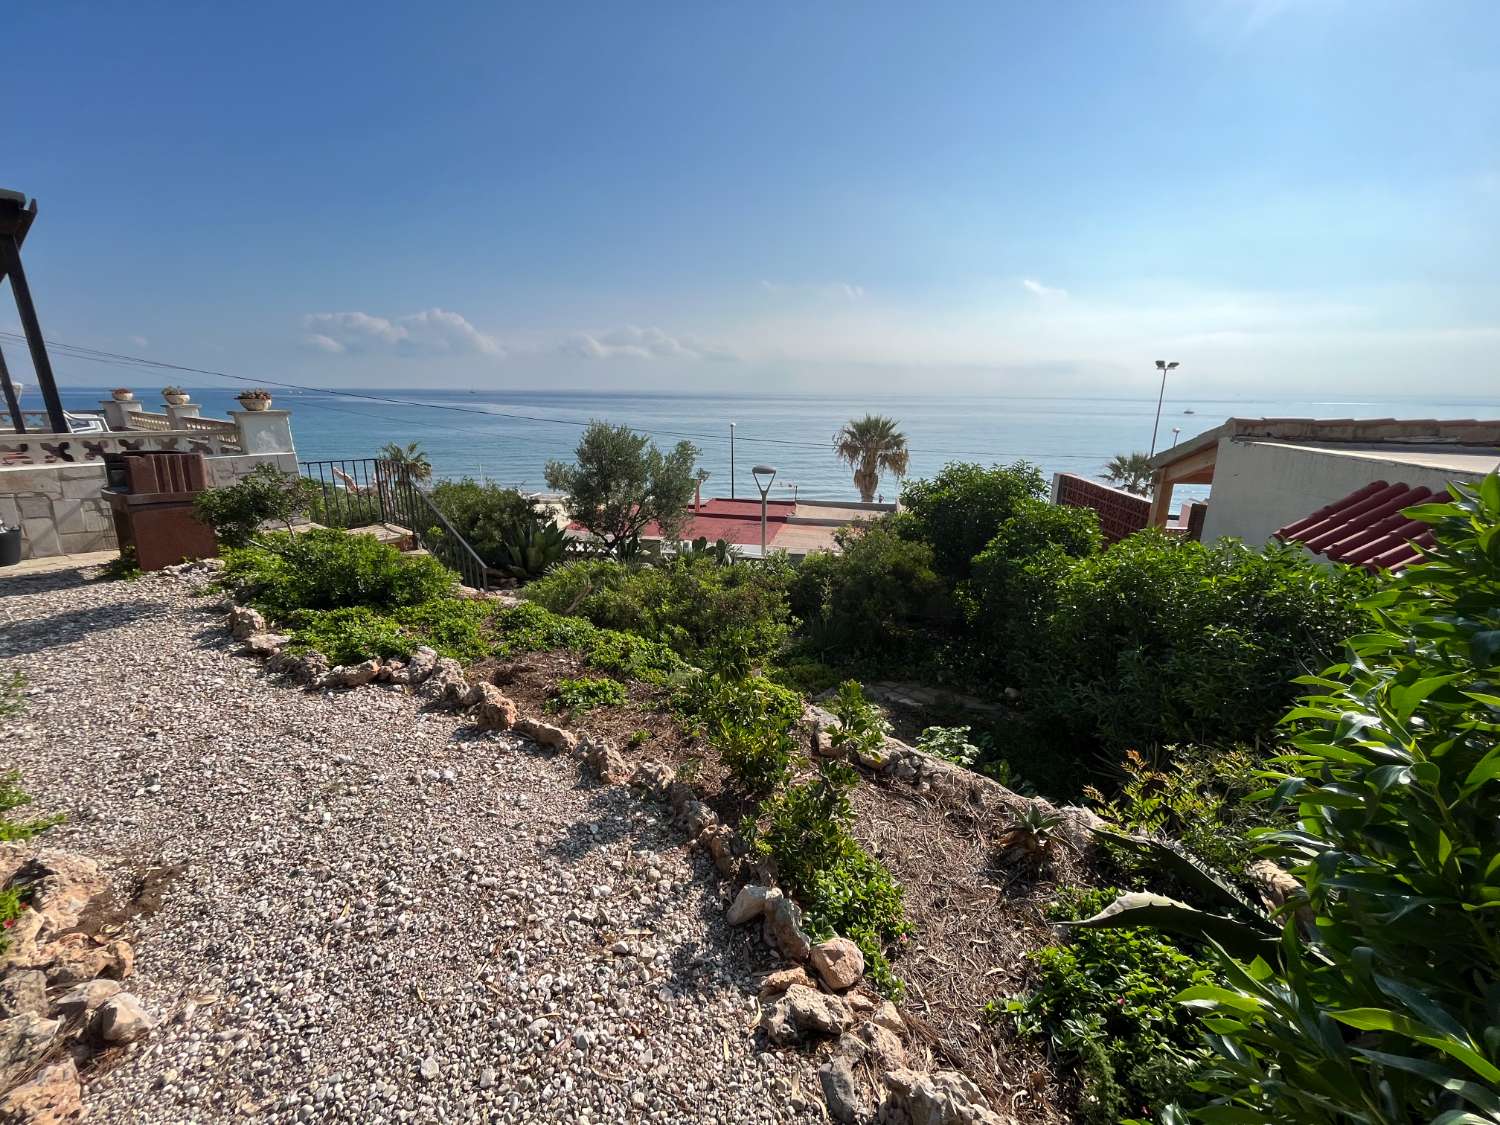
(620, 483)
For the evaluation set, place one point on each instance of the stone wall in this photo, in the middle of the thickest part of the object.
(61, 509)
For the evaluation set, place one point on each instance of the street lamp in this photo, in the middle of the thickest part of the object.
(1163, 366)
(769, 475)
(1175, 431)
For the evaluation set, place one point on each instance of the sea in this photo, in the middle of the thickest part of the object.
(508, 436)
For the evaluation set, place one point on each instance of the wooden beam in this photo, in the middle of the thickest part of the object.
(12, 401)
(10, 262)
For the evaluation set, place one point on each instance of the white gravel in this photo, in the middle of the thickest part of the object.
(383, 916)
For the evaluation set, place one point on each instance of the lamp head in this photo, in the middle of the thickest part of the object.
(766, 471)
(1161, 365)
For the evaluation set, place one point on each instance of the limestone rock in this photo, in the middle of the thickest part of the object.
(803, 1012)
(888, 1017)
(653, 777)
(841, 1091)
(445, 685)
(943, 1097)
(52, 1096)
(23, 1040)
(23, 991)
(838, 961)
(83, 998)
(122, 1019)
(493, 710)
(75, 958)
(244, 622)
(420, 666)
(545, 734)
(265, 645)
(698, 816)
(748, 905)
(722, 846)
(775, 983)
(352, 675)
(312, 667)
(784, 927)
(875, 1044)
(607, 762)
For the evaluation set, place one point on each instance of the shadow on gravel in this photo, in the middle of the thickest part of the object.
(37, 636)
(24, 585)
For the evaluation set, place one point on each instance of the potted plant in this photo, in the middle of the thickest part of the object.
(122, 394)
(10, 544)
(256, 398)
(174, 396)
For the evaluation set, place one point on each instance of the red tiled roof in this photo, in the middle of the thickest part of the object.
(1366, 528)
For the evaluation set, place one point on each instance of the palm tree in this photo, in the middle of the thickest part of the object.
(1132, 472)
(870, 446)
(409, 458)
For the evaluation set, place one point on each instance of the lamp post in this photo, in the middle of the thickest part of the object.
(731, 460)
(1175, 431)
(769, 474)
(1163, 366)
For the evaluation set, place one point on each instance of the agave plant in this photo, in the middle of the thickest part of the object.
(528, 548)
(721, 551)
(1031, 838)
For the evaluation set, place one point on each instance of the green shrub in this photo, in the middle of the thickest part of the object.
(751, 722)
(1105, 1002)
(804, 831)
(495, 521)
(586, 693)
(862, 730)
(1392, 1013)
(328, 569)
(452, 626)
(340, 508)
(962, 508)
(689, 603)
(877, 601)
(265, 495)
(1160, 641)
(949, 743)
(530, 628)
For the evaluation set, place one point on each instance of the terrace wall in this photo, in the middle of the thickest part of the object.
(1121, 513)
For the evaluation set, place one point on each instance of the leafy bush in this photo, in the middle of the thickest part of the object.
(861, 731)
(340, 508)
(1160, 641)
(751, 723)
(265, 495)
(963, 508)
(452, 626)
(877, 600)
(689, 603)
(804, 831)
(327, 569)
(506, 529)
(585, 693)
(949, 743)
(1196, 796)
(1105, 1001)
(530, 628)
(1390, 1015)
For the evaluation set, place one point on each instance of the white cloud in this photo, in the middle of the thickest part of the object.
(1045, 292)
(430, 332)
(840, 290)
(631, 342)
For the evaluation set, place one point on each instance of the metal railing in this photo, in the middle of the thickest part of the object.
(357, 492)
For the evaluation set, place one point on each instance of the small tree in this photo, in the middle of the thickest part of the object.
(1130, 471)
(266, 495)
(870, 446)
(621, 483)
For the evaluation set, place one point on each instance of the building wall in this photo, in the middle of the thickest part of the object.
(1120, 513)
(1260, 487)
(61, 509)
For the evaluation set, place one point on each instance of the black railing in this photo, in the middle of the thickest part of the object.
(359, 491)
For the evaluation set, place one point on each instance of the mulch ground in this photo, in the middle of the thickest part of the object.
(974, 916)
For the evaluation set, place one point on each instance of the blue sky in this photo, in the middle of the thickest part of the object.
(1284, 195)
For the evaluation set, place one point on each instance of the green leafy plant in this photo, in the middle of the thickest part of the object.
(409, 460)
(949, 743)
(123, 568)
(1105, 1002)
(861, 731)
(530, 547)
(750, 722)
(620, 484)
(585, 693)
(237, 512)
(453, 627)
(1031, 837)
(804, 831)
(963, 507)
(328, 569)
(1130, 471)
(530, 628)
(720, 551)
(13, 797)
(1392, 1013)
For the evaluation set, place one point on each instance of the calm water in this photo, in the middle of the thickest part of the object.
(508, 436)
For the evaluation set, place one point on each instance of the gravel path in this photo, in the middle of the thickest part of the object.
(381, 916)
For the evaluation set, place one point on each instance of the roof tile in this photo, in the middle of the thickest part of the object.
(1365, 528)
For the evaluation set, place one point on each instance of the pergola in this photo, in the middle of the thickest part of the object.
(16, 218)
